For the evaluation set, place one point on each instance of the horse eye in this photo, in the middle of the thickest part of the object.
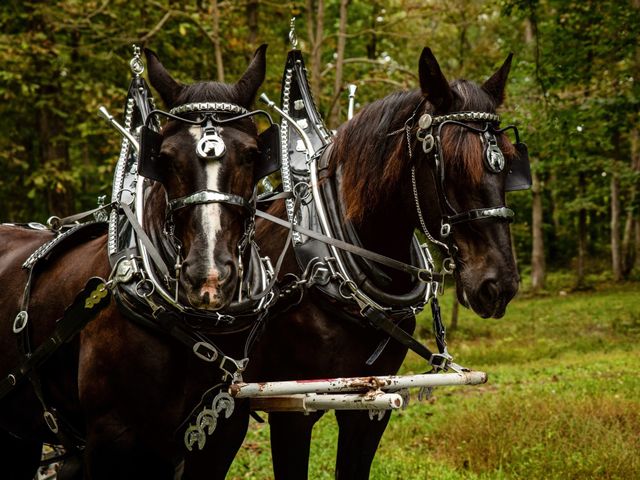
(166, 161)
(250, 154)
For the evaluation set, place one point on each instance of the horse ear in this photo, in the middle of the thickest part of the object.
(495, 85)
(161, 80)
(433, 83)
(248, 85)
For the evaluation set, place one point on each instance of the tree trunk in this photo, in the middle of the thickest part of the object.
(54, 151)
(252, 22)
(315, 33)
(616, 250)
(215, 16)
(582, 236)
(631, 238)
(334, 117)
(538, 266)
(537, 248)
(616, 254)
(372, 44)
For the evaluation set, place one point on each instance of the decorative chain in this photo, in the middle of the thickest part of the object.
(423, 224)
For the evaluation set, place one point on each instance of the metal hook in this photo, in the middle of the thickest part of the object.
(293, 39)
(137, 67)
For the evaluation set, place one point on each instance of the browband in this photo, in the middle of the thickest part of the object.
(208, 107)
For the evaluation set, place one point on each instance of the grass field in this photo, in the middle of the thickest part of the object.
(562, 401)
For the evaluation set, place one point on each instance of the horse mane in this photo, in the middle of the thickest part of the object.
(373, 153)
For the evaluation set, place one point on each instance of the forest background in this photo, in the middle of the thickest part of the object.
(573, 92)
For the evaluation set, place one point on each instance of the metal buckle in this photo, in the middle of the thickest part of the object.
(51, 421)
(54, 223)
(448, 265)
(240, 366)
(224, 319)
(145, 288)
(20, 321)
(445, 230)
(425, 275)
(440, 361)
(205, 351)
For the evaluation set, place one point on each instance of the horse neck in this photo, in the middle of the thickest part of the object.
(373, 168)
(388, 228)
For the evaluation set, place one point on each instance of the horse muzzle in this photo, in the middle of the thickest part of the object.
(491, 296)
(212, 290)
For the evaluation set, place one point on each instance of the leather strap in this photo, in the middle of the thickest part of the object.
(146, 241)
(94, 297)
(171, 323)
(499, 213)
(421, 274)
(209, 196)
(381, 321)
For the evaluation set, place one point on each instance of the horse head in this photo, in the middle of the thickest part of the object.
(201, 203)
(469, 159)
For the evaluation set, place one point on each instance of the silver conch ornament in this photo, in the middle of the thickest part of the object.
(495, 159)
(210, 145)
(493, 155)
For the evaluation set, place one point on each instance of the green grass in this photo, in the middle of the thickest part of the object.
(562, 401)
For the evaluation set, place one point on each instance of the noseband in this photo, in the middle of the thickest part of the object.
(494, 162)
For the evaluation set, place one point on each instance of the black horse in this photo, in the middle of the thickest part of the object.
(124, 387)
(390, 182)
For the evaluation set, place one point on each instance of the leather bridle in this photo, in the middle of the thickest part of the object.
(429, 134)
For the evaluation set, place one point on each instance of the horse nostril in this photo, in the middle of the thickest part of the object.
(226, 272)
(205, 298)
(489, 290)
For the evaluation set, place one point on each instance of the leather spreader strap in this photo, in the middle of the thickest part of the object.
(421, 274)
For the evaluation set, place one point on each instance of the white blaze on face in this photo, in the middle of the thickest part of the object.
(210, 220)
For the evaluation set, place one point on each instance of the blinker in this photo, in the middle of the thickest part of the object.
(519, 177)
(269, 144)
(149, 158)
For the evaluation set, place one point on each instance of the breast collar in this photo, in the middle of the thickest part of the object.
(364, 275)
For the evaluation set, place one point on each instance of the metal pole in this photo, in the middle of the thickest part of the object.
(352, 100)
(312, 402)
(355, 384)
(104, 113)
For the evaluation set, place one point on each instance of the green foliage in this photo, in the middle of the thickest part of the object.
(573, 89)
